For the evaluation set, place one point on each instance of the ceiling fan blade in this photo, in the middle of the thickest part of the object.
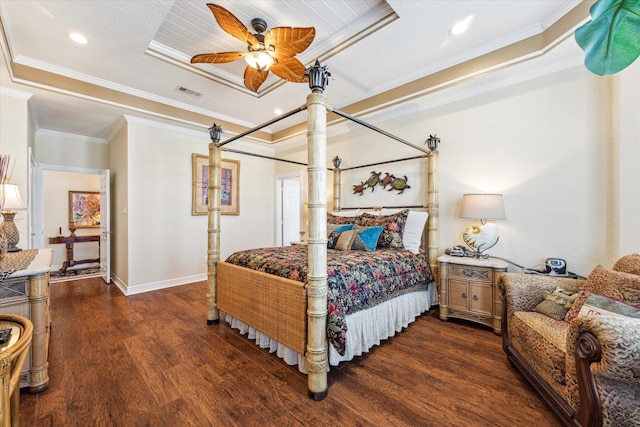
(254, 78)
(229, 23)
(289, 69)
(217, 58)
(288, 41)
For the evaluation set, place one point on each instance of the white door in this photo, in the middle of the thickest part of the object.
(105, 227)
(290, 210)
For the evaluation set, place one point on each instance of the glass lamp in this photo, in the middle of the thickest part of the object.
(483, 207)
(10, 199)
(259, 59)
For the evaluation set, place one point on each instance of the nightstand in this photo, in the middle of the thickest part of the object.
(469, 290)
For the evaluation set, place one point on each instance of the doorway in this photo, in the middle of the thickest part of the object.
(50, 193)
(288, 205)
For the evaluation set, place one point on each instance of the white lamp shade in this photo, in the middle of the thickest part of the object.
(10, 197)
(482, 206)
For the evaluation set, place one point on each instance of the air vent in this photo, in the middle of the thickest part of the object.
(189, 92)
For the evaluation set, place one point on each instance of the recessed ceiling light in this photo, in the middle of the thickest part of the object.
(461, 27)
(277, 112)
(78, 38)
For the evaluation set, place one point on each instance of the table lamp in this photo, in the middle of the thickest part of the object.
(483, 207)
(10, 197)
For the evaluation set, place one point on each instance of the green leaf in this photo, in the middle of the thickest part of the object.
(611, 41)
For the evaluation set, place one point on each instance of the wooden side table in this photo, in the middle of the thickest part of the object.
(26, 293)
(69, 242)
(469, 290)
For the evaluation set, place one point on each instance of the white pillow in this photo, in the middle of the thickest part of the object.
(413, 230)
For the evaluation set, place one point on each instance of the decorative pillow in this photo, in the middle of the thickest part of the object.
(583, 295)
(412, 236)
(366, 238)
(333, 233)
(557, 303)
(598, 305)
(392, 227)
(345, 240)
(628, 264)
(614, 284)
(335, 219)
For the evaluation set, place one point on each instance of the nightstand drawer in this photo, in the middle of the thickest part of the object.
(470, 272)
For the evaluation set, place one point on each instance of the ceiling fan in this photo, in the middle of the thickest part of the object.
(275, 50)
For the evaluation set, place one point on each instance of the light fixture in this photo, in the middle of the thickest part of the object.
(461, 26)
(78, 38)
(10, 197)
(483, 207)
(259, 59)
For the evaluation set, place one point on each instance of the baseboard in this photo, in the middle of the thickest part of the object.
(154, 286)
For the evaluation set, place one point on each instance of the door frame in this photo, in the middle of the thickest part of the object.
(36, 202)
(278, 205)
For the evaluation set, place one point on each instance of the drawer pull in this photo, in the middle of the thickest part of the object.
(464, 295)
(475, 297)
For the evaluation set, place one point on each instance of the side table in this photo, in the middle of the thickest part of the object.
(26, 293)
(469, 290)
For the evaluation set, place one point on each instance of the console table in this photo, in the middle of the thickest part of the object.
(69, 241)
(26, 293)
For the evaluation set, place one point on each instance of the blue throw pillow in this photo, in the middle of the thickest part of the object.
(367, 239)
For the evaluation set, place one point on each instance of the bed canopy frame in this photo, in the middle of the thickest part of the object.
(316, 288)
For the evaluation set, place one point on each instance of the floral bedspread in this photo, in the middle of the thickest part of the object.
(357, 280)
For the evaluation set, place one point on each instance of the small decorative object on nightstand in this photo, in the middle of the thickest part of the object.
(469, 289)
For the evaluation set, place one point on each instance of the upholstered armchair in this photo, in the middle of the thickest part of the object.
(578, 341)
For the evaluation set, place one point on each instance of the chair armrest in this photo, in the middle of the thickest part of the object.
(523, 292)
(619, 339)
(603, 368)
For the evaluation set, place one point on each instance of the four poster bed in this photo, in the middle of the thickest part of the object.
(316, 306)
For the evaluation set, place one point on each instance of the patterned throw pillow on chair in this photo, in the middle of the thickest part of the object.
(557, 303)
(614, 284)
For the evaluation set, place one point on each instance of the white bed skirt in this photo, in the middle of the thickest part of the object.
(366, 328)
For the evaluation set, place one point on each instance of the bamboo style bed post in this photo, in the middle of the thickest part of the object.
(213, 228)
(317, 289)
(337, 184)
(433, 227)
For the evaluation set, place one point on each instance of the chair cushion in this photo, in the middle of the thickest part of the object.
(541, 341)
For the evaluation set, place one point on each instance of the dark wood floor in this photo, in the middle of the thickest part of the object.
(151, 360)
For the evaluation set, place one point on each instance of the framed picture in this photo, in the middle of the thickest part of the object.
(229, 183)
(84, 209)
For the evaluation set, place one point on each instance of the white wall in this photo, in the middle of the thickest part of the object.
(628, 141)
(166, 244)
(542, 143)
(63, 149)
(15, 127)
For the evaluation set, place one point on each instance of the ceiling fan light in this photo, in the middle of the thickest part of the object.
(260, 60)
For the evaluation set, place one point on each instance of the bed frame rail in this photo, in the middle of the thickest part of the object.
(273, 305)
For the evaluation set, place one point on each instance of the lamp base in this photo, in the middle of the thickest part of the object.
(10, 231)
